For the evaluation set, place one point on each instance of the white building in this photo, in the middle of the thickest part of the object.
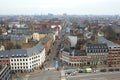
(26, 59)
(73, 40)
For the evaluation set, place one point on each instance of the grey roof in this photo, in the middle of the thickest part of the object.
(77, 53)
(4, 37)
(29, 32)
(22, 52)
(109, 43)
(73, 40)
(17, 38)
(97, 46)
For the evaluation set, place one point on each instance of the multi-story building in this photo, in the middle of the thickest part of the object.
(25, 59)
(74, 57)
(97, 54)
(4, 58)
(5, 72)
(114, 52)
(114, 57)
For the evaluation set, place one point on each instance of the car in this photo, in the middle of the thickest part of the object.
(117, 69)
(111, 70)
(103, 70)
(80, 71)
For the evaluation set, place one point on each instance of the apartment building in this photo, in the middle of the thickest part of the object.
(114, 52)
(25, 60)
(94, 54)
(97, 54)
(74, 57)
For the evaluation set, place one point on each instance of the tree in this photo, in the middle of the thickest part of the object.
(9, 46)
(110, 33)
(17, 46)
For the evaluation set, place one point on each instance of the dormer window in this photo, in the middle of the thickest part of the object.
(17, 55)
(6, 56)
(25, 55)
(13, 55)
(20, 55)
(1, 56)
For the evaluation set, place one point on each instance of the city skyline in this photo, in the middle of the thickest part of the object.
(79, 7)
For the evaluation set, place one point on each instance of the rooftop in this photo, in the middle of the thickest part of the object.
(22, 52)
(77, 53)
(109, 43)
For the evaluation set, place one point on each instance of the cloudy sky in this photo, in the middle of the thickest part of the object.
(82, 7)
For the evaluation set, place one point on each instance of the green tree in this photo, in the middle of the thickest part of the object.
(9, 46)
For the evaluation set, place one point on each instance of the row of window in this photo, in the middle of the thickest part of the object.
(25, 59)
(97, 50)
(19, 63)
(25, 67)
(19, 59)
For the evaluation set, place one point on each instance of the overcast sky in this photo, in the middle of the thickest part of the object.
(82, 7)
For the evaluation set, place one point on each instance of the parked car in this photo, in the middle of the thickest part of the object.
(103, 70)
(111, 70)
(80, 71)
(117, 69)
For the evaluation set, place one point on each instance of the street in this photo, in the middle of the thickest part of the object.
(46, 75)
(96, 76)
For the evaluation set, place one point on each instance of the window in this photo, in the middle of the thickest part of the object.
(17, 63)
(23, 63)
(14, 63)
(17, 59)
(23, 60)
(26, 63)
(14, 59)
(24, 67)
(20, 63)
(11, 59)
(26, 59)
(12, 67)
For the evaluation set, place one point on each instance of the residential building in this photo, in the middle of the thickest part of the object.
(114, 52)
(19, 39)
(5, 72)
(97, 54)
(25, 59)
(74, 57)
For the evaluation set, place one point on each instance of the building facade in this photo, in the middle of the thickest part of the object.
(114, 57)
(97, 54)
(74, 57)
(114, 52)
(25, 60)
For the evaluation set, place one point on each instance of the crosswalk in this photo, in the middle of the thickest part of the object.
(63, 75)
